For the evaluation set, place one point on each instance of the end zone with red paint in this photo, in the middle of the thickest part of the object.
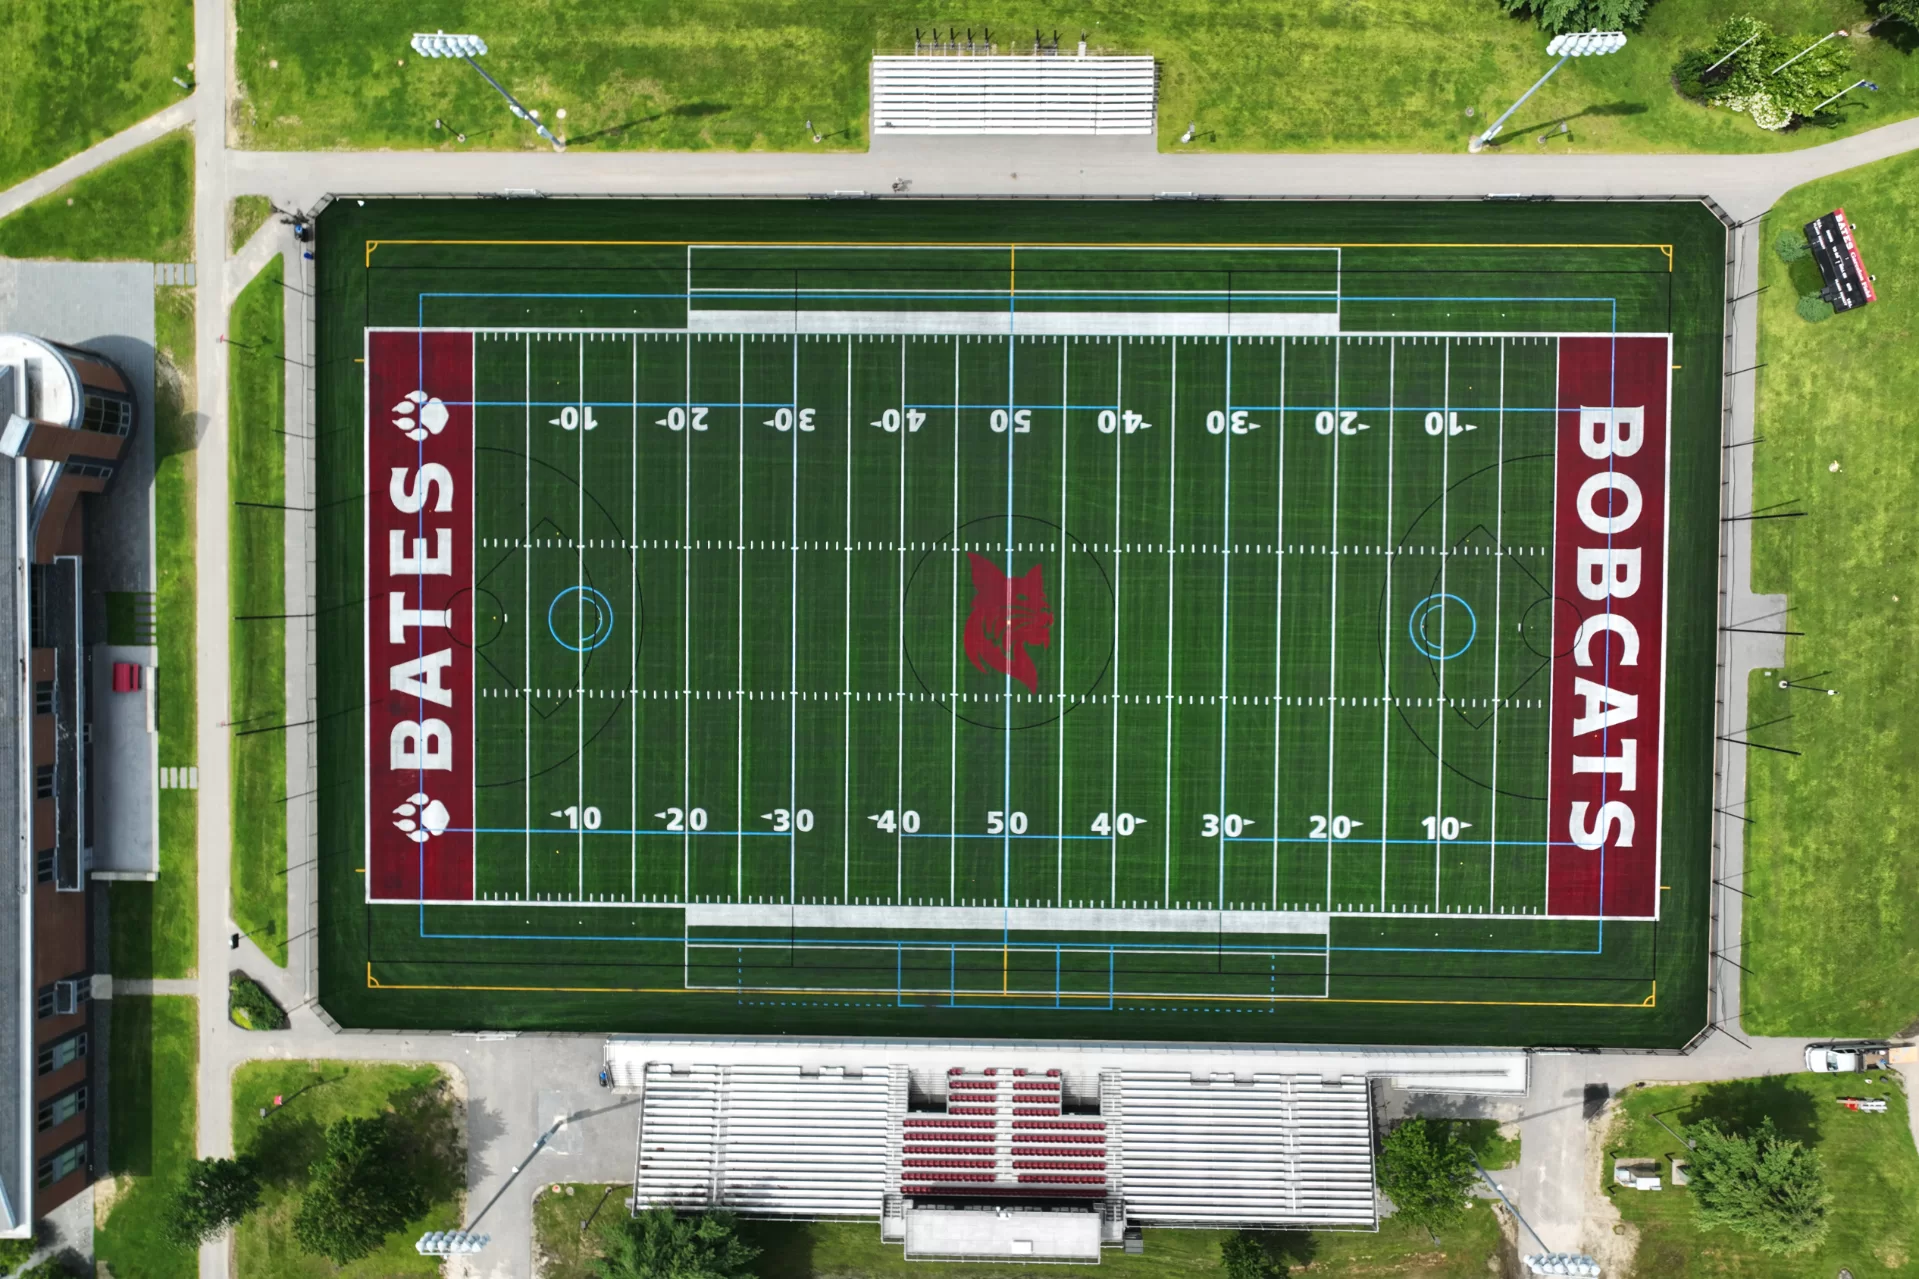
(419, 555)
(1609, 565)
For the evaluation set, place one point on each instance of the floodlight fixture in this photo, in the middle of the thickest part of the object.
(1584, 44)
(438, 44)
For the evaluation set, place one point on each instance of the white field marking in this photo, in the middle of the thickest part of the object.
(739, 649)
(1172, 540)
(1279, 604)
(1546, 835)
(1059, 772)
(526, 771)
(632, 595)
(1332, 626)
(1119, 497)
(792, 640)
(686, 632)
(1225, 612)
(579, 655)
(1386, 667)
(1445, 540)
(1339, 288)
(952, 679)
(899, 654)
(1006, 680)
(1001, 323)
(1499, 540)
(846, 656)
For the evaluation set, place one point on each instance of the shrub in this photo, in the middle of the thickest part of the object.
(250, 1007)
(1812, 308)
(661, 1244)
(1790, 244)
(1751, 74)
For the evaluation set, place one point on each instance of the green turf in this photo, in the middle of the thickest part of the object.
(139, 208)
(852, 1250)
(247, 214)
(1829, 835)
(728, 74)
(1870, 1165)
(256, 529)
(1686, 301)
(291, 1136)
(151, 1109)
(77, 73)
(153, 931)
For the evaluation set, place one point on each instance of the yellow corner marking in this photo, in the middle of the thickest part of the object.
(374, 244)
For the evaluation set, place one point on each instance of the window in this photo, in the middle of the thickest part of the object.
(113, 417)
(63, 1163)
(64, 997)
(43, 782)
(55, 1111)
(43, 865)
(43, 697)
(89, 470)
(62, 1052)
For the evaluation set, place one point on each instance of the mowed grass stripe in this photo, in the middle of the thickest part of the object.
(737, 536)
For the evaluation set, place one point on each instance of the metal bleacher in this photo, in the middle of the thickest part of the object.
(1030, 95)
(1273, 1151)
(770, 1141)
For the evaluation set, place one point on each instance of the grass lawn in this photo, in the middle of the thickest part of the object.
(852, 1250)
(1311, 75)
(291, 1136)
(153, 925)
(1871, 1169)
(151, 1118)
(1831, 938)
(137, 208)
(256, 473)
(78, 71)
(247, 215)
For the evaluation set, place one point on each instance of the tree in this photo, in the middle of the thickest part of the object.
(362, 1189)
(661, 1244)
(1906, 11)
(1752, 75)
(215, 1194)
(1244, 1256)
(1426, 1170)
(1762, 1185)
(1560, 16)
(14, 1253)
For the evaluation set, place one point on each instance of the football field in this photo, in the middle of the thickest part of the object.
(907, 630)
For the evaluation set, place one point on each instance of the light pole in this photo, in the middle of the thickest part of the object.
(439, 44)
(1842, 93)
(1587, 44)
(1803, 52)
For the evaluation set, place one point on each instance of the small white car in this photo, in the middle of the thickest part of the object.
(1845, 1059)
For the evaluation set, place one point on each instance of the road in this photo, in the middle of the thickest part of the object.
(518, 1086)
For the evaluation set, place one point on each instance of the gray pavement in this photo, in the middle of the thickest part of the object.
(516, 1087)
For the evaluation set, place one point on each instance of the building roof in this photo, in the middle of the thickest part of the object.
(16, 860)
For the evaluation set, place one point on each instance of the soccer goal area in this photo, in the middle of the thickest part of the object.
(979, 633)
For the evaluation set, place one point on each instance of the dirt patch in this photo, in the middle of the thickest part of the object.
(105, 1191)
(1604, 1234)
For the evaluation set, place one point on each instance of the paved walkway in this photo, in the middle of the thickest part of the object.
(517, 1087)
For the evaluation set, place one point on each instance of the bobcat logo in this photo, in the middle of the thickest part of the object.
(432, 416)
(1008, 614)
(422, 818)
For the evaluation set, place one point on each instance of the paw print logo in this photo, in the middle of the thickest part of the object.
(421, 818)
(420, 415)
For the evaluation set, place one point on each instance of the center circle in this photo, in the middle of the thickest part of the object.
(585, 639)
(1426, 627)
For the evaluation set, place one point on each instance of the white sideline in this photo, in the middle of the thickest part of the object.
(1265, 923)
(1004, 322)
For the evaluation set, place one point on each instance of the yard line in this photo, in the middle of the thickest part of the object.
(1332, 627)
(1059, 777)
(846, 655)
(1386, 668)
(1445, 559)
(792, 638)
(1279, 604)
(952, 680)
(686, 630)
(1119, 497)
(739, 648)
(1172, 559)
(579, 654)
(1006, 680)
(899, 654)
(526, 564)
(1225, 613)
(632, 597)
(1499, 549)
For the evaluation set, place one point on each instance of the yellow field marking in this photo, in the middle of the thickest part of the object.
(1650, 1001)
